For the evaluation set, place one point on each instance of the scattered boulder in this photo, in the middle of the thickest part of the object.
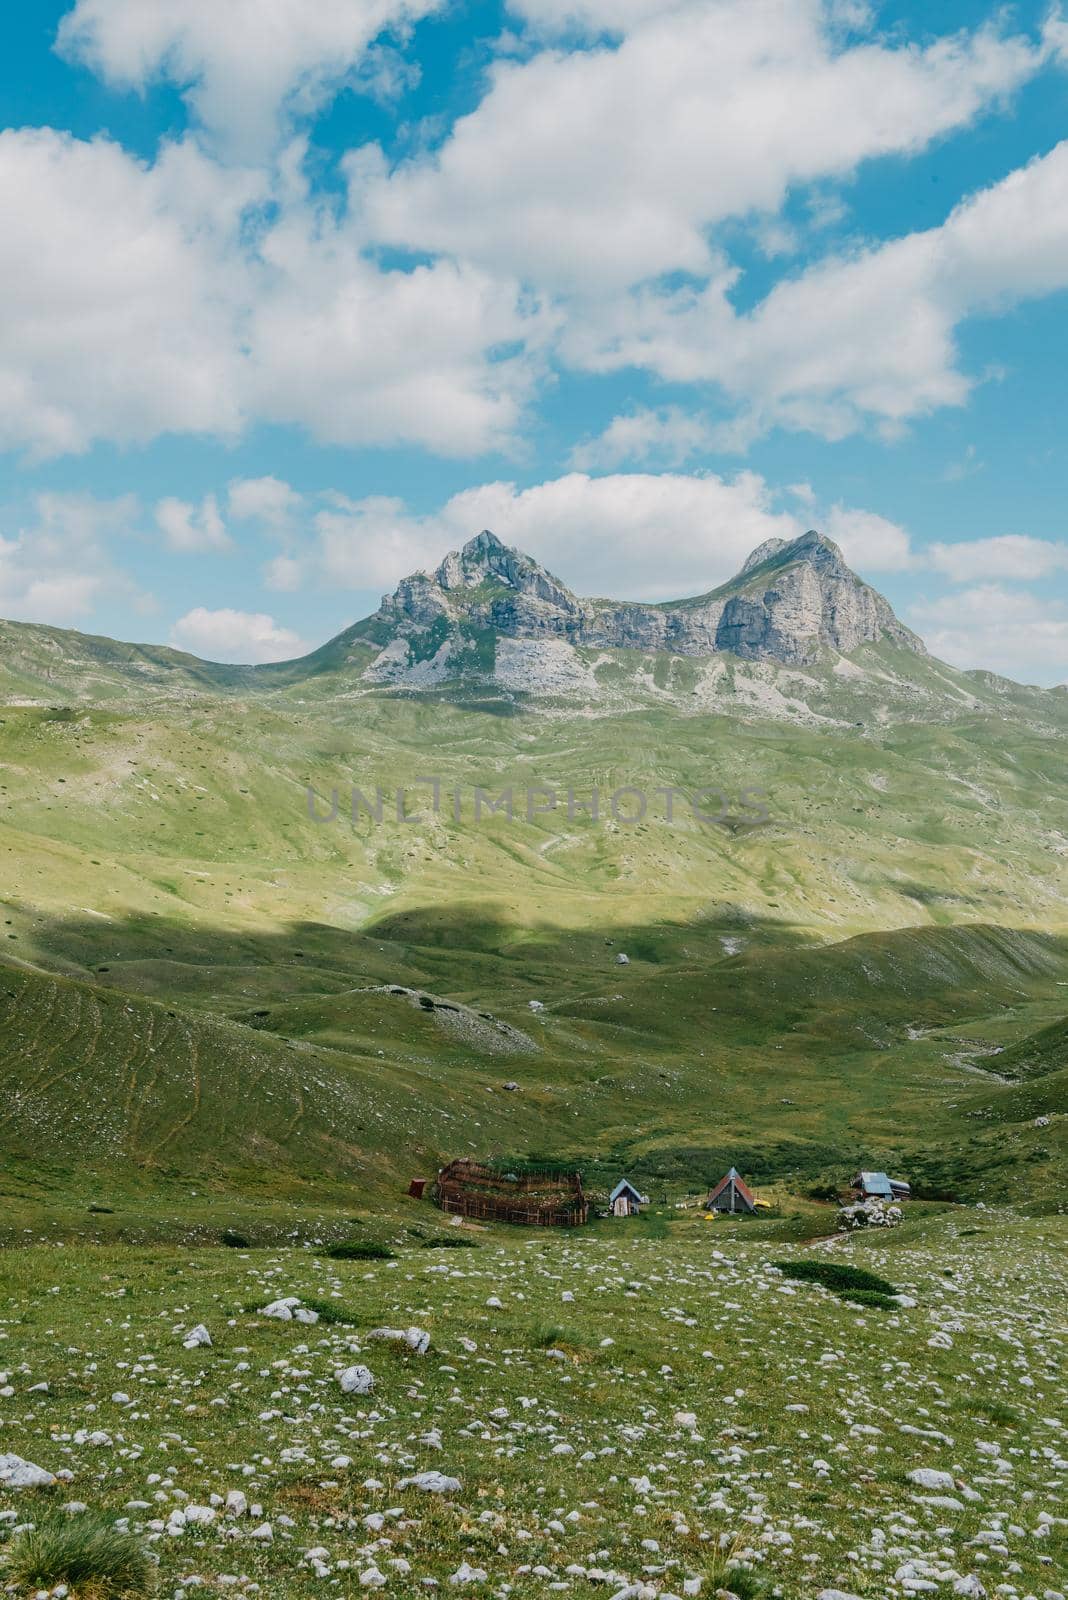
(197, 1338)
(290, 1310)
(431, 1483)
(931, 1478)
(416, 1339)
(15, 1473)
(356, 1380)
(622, 960)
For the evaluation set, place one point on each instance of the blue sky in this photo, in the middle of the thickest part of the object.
(296, 299)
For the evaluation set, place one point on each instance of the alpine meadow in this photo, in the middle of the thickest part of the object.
(563, 1087)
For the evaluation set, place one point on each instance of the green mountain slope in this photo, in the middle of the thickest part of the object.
(840, 891)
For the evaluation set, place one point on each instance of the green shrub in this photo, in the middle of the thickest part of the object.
(361, 1250)
(332, 1311)
(450, 1241)
(234, 1240)
(84, 1551)
(870, 1297)
(834, 1275)
(745, 1583)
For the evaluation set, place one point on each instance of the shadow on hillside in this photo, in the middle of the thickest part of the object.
(728, 979)
(470, 939)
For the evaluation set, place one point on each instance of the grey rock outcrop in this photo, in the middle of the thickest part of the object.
(792, 601)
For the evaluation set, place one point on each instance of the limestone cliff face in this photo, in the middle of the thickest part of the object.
(791, 601)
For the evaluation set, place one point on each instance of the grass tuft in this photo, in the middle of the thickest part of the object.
(87, 1552)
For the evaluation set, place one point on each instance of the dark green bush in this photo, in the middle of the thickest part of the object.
(834, 1275)
(332, 1311)
(234, 1240)
(361, 1250)
(870, 1297)
(450, 1241)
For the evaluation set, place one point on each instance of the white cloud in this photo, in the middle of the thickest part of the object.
(268, 500)
(56, 568)
(642, 536)
(707, 109)
(358, 355)
(245, 65)
(120, 293)
(189, 528)
(671, 435)
(142, 300)
(284, 574)
(870, 542)
(1016, 632)
(856, 339)
(242, 636)
(1015, 556)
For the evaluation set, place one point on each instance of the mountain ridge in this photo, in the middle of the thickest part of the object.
(790, 601)
(794, 635)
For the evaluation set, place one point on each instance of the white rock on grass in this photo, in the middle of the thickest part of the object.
(431, 1483)
(835, 1594)
(15, 1473)
(468, 1574)
(289, 1309)
(356, 1380)
(931, 1478)
(416, 1339)
(197, 1338)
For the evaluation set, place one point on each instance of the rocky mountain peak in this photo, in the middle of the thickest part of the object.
(793, 600)
(811, 546)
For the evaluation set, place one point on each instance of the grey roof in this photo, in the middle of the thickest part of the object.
(623, 1184)
(875, 1183)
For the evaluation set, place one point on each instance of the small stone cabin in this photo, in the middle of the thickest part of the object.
(625, 1201)
(731, 1195)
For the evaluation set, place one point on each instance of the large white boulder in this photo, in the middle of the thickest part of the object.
(356, 1380)
(15, 1473)
(431, 1483)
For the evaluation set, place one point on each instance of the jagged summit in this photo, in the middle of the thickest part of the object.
(810, 546)
(791, 601)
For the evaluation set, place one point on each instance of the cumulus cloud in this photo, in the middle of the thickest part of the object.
(670, 435)
(189, 528)
(241, 636)
(268, 501)
(852, 339)
(245, 67)
(1016, 632)
(57, 566)
(702, 110)
(870, 542)
(360, 355)
(120, 293)
(1013, 556)
(644, 536)
(143, 300)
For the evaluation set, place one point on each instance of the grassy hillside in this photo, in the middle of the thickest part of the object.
(200, 965)
(640, 1404)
